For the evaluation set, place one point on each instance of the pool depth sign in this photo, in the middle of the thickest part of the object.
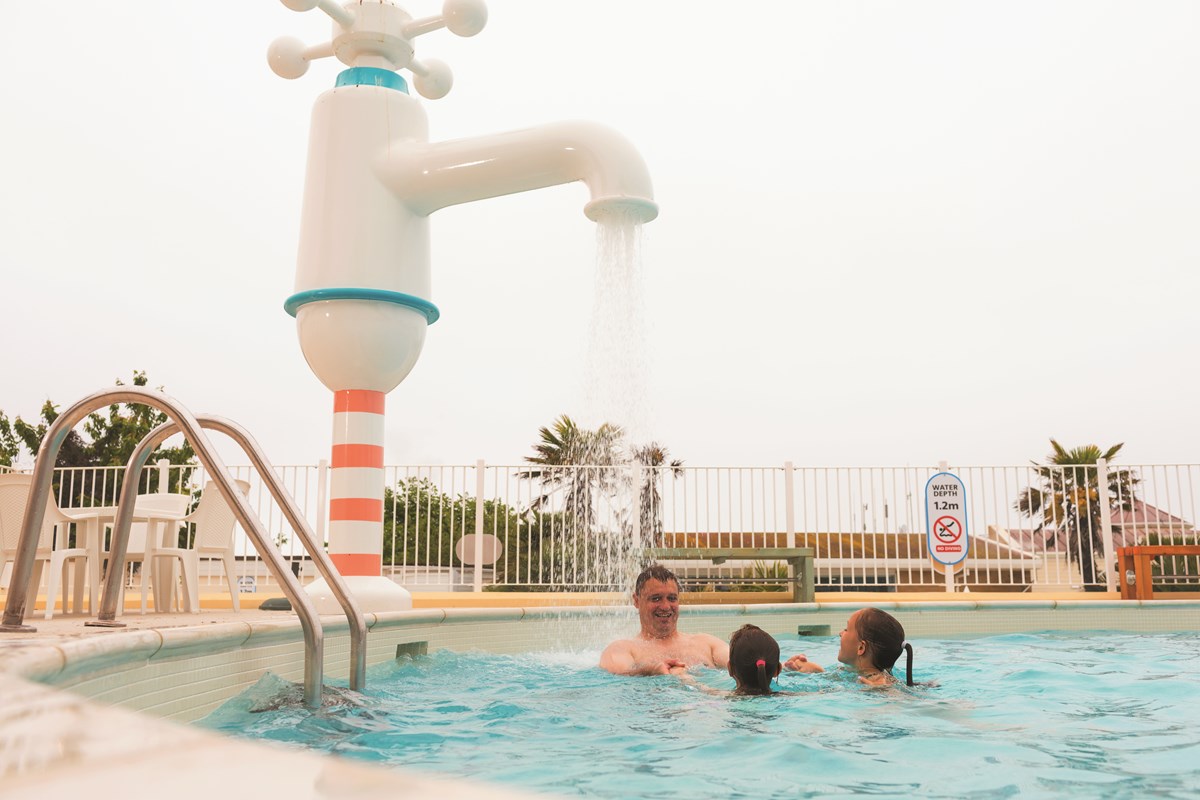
(946, 518)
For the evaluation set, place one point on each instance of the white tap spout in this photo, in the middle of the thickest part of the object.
(427, 176)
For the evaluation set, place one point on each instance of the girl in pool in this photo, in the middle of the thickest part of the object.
(871, 643)
(753, 664)
(753, 660)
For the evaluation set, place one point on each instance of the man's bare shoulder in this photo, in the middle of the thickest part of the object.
(707, 638)
(621, 646)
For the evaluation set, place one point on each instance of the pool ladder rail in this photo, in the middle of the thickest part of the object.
(182, 420)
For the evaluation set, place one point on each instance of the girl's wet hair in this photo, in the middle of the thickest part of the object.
(884, 637)
(753, 659)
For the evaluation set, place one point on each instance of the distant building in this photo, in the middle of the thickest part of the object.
(1130, 527)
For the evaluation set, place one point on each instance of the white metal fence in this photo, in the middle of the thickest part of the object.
(583, 528)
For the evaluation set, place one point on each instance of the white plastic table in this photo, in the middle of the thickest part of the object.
(93, 522)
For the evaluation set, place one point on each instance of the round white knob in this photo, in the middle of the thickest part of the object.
(300, 5)
(464, 17)
(286, 57)
(434, 80)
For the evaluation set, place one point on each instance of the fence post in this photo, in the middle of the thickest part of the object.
(164, 467)
(322, 504)
(479, 525)
(947, 570)
(789, 515)
(789, 502)
(1106, 533)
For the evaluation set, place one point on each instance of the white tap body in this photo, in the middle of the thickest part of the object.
(356, 234)
(363, 290)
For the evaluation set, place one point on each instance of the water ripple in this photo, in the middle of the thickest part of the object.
(1044, 715)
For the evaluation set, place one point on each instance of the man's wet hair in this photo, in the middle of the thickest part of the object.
(753, 659)
(884, 636)
(656, 571)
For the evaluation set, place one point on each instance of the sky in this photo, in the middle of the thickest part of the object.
(891, 233)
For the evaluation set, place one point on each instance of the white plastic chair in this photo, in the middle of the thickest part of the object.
(214, 521)
(148, 534)
(14, 497)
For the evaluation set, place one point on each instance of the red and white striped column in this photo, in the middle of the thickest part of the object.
(356, 483)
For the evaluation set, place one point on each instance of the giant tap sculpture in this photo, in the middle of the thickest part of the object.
(362, 299)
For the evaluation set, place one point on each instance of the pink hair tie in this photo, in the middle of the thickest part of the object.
(760, 663)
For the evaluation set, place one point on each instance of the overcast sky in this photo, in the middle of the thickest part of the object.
(891, 232)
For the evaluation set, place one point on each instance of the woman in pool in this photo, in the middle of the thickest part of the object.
(871, 643)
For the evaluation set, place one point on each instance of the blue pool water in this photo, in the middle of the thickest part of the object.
(1041, 715)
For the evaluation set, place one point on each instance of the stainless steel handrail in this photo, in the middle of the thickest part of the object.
(39, 493)
(354, 615)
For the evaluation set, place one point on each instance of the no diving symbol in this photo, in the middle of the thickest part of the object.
(947, 529)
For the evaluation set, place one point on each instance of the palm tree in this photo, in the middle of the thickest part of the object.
(654, 457)
(1067, 502)
(576, 462)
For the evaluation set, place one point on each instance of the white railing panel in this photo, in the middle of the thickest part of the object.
(575, 528)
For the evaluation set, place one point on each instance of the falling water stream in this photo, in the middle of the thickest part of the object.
(616, 370)
(617, 357)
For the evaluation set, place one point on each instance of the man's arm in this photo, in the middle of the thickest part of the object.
(619, 658)
(718, 650)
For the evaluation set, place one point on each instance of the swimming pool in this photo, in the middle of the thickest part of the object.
(1043, 714)
(70, 734)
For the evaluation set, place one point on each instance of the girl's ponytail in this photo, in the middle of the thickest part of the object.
(764, 682)
(908, 664)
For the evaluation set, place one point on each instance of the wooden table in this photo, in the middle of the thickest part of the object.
(1134, 568)
(799, 558)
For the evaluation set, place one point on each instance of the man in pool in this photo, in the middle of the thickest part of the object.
(660, 648)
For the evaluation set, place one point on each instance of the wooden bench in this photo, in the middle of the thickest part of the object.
(799, 558)
(1134, 567)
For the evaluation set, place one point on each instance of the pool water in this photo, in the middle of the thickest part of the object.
(1044, 715)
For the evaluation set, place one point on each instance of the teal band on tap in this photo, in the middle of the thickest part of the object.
(293, 303)
(372, 76)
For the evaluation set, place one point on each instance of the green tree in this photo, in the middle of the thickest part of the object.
(422, 524)
(547, 554)
(657, 460)
(1068, 501)
(576, 467)
(107, 440)
(419, 523)
(575, 463)
(19, 436)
